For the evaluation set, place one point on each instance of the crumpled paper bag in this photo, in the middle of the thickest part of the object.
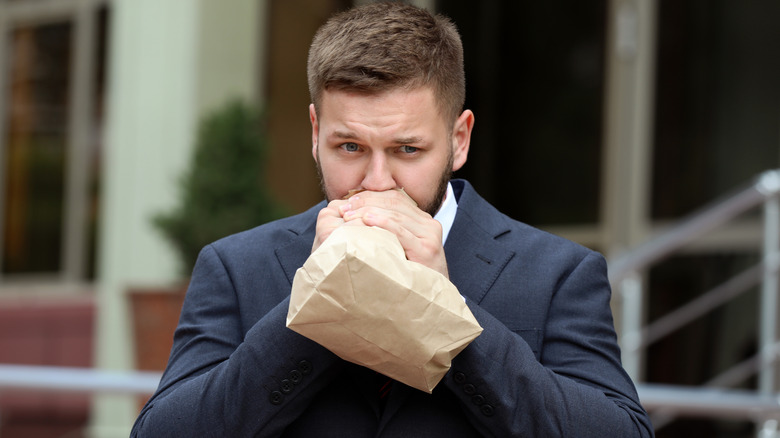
(358, 296)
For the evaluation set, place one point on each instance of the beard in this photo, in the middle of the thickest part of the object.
(444, 179)
(431, 207)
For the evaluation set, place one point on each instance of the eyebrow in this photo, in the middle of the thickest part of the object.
(343, 134)
(349, 135)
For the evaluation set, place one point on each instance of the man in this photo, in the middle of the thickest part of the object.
(388, 88)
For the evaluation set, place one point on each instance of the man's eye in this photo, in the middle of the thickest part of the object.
(350, 147)
(408, 149)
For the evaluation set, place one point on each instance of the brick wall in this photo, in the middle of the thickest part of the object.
(37, 331)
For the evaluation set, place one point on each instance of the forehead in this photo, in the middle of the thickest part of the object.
(409, 106)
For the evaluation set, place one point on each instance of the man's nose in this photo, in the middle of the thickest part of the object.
(379, 176)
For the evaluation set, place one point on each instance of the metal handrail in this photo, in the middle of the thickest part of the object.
(69, 379)
(684, 401)
(627, 276)
(702, 305)
(658, 247)
(709, 402)
(627, 269)
(695, 402)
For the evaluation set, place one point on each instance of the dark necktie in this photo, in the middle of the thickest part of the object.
(384, 384)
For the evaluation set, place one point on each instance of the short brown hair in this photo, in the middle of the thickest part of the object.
(383, 46)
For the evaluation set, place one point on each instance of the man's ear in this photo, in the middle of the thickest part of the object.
(461, 139)
(315, 130)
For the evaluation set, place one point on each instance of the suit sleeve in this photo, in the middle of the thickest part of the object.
(578, 386)
(224, 380)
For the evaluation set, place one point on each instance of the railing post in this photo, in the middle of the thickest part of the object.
(631, 333)
(769, 184)
(768, 429)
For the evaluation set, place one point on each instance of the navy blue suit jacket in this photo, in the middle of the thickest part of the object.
(546, 364)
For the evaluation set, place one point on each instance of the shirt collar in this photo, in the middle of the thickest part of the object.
(446, 213)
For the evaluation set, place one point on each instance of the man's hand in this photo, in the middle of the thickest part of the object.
(394, 211)
(328, 219)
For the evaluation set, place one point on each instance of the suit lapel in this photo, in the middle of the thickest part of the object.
(293, 254)
(475, 258)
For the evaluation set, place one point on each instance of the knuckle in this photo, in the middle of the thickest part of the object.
(332, 204)
(327, 211)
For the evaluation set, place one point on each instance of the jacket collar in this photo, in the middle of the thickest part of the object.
(472, 246)
(301, 228)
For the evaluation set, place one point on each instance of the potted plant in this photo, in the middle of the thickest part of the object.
(222, 192)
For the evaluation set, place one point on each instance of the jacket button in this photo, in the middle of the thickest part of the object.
(295, 376)
(469, 389)
(286, 386)
(487, 410)
(276, 398)
(304, 367)
(459, 377)
(478, 400)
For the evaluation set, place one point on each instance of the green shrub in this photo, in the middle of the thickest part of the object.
(223, 191)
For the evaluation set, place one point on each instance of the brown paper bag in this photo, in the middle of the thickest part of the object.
(359, 297)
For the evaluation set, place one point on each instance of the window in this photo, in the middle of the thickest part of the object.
(718, 100)
(534, 73)
(36, 145)
(51, 100)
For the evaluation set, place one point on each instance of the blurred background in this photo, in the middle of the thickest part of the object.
(605, 121)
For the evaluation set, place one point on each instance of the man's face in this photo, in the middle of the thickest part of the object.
(395, 139)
